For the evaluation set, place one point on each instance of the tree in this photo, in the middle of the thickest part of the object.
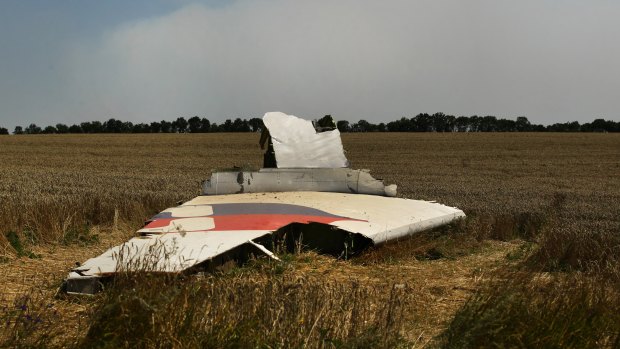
(421, 123)
(256, 124)
(141, 128)
(326, 122)
(87, 127)
(112, 126)
(4, 131)
(18, 130)
(62, 128)
(75, 129)
(602, 125)
(573, 126)
(474, 123)
(32, 129)
(362, 126)
(488, 124)
(126, 127)
(92, 127)
(49, 130)
(194, 124)
(343, 126)
(439, 122)
(450, 123)
(523, 124)
(166, 127)
(240, 125)
(180, 125)
(205, 125)
(226, 126)
(97, 127)
(505, 125)
(402, 125)
(155, 127)
(462, 124)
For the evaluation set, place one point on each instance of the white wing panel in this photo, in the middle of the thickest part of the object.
(172, 242)
(377, 217)
(170, 252)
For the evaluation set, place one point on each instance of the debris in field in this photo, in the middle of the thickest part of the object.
(336, 180)
(331, 209)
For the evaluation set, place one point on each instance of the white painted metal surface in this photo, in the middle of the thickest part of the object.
(166, 252)
(297, 144)
(379, 218)
(207, 226)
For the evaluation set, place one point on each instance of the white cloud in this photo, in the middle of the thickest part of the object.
(377, 60)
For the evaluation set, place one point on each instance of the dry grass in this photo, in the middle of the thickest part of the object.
(248, 311)
(537, 204)
(527, 310)
(54, 184)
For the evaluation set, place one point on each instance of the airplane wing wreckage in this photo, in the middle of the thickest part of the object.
(306, 195)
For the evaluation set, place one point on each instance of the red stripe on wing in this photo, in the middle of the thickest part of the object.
(255, 221)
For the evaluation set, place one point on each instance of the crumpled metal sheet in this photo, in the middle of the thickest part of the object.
(335, 180)
(297, 144)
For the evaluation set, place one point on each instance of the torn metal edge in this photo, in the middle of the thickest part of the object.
(335, 180)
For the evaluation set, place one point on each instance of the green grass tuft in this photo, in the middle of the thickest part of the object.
(17, 245)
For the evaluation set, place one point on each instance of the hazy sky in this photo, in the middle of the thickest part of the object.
(80, 60)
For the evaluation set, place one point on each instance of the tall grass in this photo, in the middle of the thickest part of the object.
(522, 310)
(247, 311)
(566, 293)
(30, 321)
(564, 248)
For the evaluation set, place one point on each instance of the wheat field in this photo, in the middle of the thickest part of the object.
(543, 231)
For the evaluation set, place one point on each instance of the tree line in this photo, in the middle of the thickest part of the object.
(180, 125)
(423, 122)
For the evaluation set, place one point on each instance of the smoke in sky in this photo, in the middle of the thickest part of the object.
(551, 61)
